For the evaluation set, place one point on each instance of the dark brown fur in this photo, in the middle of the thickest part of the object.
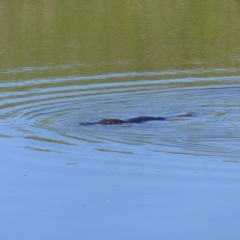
(112, 121)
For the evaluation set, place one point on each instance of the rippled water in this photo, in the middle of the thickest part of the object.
(181, 173)
(51, 110)
(68, 62)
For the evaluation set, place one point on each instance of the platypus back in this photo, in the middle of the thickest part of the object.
(142, 119)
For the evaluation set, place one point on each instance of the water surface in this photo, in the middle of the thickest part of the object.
(63, 64)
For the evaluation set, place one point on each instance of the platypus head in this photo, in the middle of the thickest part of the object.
(111, 121)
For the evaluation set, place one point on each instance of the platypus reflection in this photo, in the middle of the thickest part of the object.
(111, 121)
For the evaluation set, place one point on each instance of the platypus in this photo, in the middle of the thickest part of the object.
(142, 119)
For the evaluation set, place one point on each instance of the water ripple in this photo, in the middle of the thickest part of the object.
(50, 110)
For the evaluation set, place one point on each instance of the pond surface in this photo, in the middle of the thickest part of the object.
(173, 179)
(49, 118)
(121, 180)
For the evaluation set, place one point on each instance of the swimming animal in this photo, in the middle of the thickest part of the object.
(142, 119)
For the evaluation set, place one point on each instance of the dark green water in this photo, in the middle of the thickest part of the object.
(67, 62)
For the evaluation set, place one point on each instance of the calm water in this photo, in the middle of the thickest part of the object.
(174, 179)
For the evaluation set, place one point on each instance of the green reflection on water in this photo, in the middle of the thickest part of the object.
(93, 37)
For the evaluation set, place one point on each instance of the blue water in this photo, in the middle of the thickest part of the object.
(177, 179)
